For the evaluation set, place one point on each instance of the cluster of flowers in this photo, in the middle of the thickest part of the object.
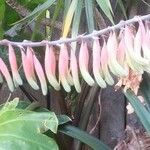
(120, 55)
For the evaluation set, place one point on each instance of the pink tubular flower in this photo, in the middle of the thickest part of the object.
(74, 71)
(63, 67)
(14, 67)
(112, 46)
(104, 64)
(50, 67)
(29, 57)
(6, 74)
(83, 63)
(27, 67)
(96, 63)
(40, 74)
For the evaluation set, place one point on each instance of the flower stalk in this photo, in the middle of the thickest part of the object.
(125, 56)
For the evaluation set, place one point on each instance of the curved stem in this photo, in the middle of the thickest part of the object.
(78, 38)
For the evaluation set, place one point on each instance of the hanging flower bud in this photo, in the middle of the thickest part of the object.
(138, 42)
(27, 67)
(50, 67)
(74, 71)
(14, 67)
(96, 63)
(29, 57)
(6, 74)
(112, 46)
(104, 64)
(145, 44)
(40, 74)
(83, 63)
(129, 42)
(63, 67)
(121, 52)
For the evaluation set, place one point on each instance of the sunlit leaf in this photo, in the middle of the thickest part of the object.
(62, 119)
(69, 17)
(32, 16)
(22, 129)
(36, 12)
(11, 105)
(66, 6)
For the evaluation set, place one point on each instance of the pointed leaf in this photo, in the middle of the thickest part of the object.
(120, 2)
(106, 8)
(89, 14)
(82, 136)
(69, 17)
(145, 88)
(140, 110)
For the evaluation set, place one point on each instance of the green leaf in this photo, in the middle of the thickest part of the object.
(69, 17)
(2, 12)
(28, 19)
(36, 12)
(2, 9)
(89, 15)
(76, 22)
(122, 8)
(140, 110)
(62, 119)
(10, 105)
(106, 8)
(22, 129)
(76, 19)
(66, 7)
(76, 133)
(24, 140)
(41, 121)
(55, 15)
(145, 88)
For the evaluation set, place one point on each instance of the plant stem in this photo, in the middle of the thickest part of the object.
(78, 38)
